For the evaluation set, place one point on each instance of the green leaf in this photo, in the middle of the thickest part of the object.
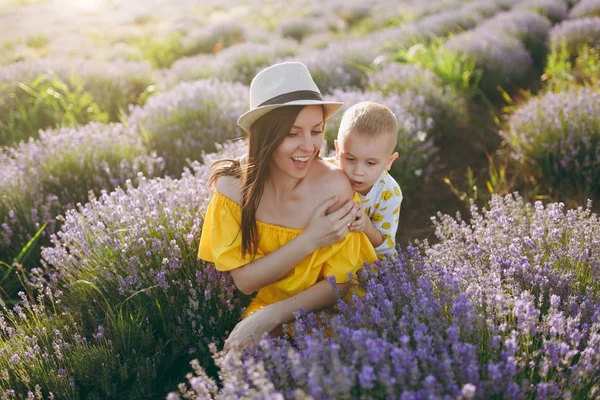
(26, 251)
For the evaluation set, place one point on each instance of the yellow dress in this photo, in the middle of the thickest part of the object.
(221, 244)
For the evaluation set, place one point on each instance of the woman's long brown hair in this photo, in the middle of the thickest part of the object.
(266, 134)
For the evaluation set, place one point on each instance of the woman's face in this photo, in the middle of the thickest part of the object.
(299, 148)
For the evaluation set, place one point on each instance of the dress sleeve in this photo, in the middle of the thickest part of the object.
(348, 256)
(221, 240)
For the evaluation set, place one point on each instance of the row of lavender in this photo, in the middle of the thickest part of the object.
(103, 324)
(554, 138)
(210, 27)
(342, 55)
(43, 178)
(502, 307)
(111, 86)
(241, 61)
(182, 123)
(132, 254)
(41, 93)
(506, 305)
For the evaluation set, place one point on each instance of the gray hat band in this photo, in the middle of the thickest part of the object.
(293, 96)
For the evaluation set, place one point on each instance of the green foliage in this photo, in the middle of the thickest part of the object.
(558, 73)
(161, 52)
(497, 183)
(47, 351)
(439, 102)
(588, 65)
(47, 102)
(455, 69)
(114, 97)
(554, 138)
(566, 68)
(38, 41)
(8, 45)
(18, 3)
(13, 279)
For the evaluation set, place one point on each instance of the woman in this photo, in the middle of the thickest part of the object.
(279, 222)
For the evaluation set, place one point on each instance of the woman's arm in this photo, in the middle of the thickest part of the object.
(322, 230)
(315, 298)
(328, 224)
(250, 330)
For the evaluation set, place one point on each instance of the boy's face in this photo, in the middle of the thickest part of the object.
(363, 159)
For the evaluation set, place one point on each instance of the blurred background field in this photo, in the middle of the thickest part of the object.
(110, 113)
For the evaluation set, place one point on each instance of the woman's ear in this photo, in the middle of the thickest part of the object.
(391, 161)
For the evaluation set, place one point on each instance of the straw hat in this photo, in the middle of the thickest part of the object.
(280, 85)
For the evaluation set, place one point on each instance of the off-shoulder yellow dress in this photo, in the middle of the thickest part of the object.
(221, 243)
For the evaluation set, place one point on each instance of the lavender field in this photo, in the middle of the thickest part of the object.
(112, 112)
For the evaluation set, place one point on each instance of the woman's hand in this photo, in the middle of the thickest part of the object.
(250, 330)
(325, 229)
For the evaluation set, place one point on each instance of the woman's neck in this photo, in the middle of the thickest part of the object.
(282, 186)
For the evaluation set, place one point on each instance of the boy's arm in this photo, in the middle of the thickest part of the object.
(386, 219)
(373, 234)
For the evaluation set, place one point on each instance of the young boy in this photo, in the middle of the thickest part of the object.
(364, 150)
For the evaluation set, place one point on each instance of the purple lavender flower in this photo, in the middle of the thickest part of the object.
(42, 178)
(503, 59)
(243, 61)
(576, 33)
(585, 8)
(238, 63)
(154, 217)
(189, 119)
(441, 103)
(554, 10)
(468, 316)
(334, 67)
(556, 136)
(529, 28)
(298, 28)
(448, 22)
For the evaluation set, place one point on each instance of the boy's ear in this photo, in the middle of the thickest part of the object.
(337, 149)
(391, 161)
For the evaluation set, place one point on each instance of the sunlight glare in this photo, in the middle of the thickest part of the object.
(85, 5)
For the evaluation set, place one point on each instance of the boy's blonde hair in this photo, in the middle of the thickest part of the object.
(371, 119)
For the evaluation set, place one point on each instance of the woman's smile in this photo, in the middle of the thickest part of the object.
(300, 162)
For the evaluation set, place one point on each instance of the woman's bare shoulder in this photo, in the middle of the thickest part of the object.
(332, 181)
(230, 187)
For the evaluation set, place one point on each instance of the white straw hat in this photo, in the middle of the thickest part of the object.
(280, 85)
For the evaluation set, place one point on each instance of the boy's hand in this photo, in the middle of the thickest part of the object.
(360, 221)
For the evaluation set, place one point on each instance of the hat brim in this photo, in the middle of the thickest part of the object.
(246, 120)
